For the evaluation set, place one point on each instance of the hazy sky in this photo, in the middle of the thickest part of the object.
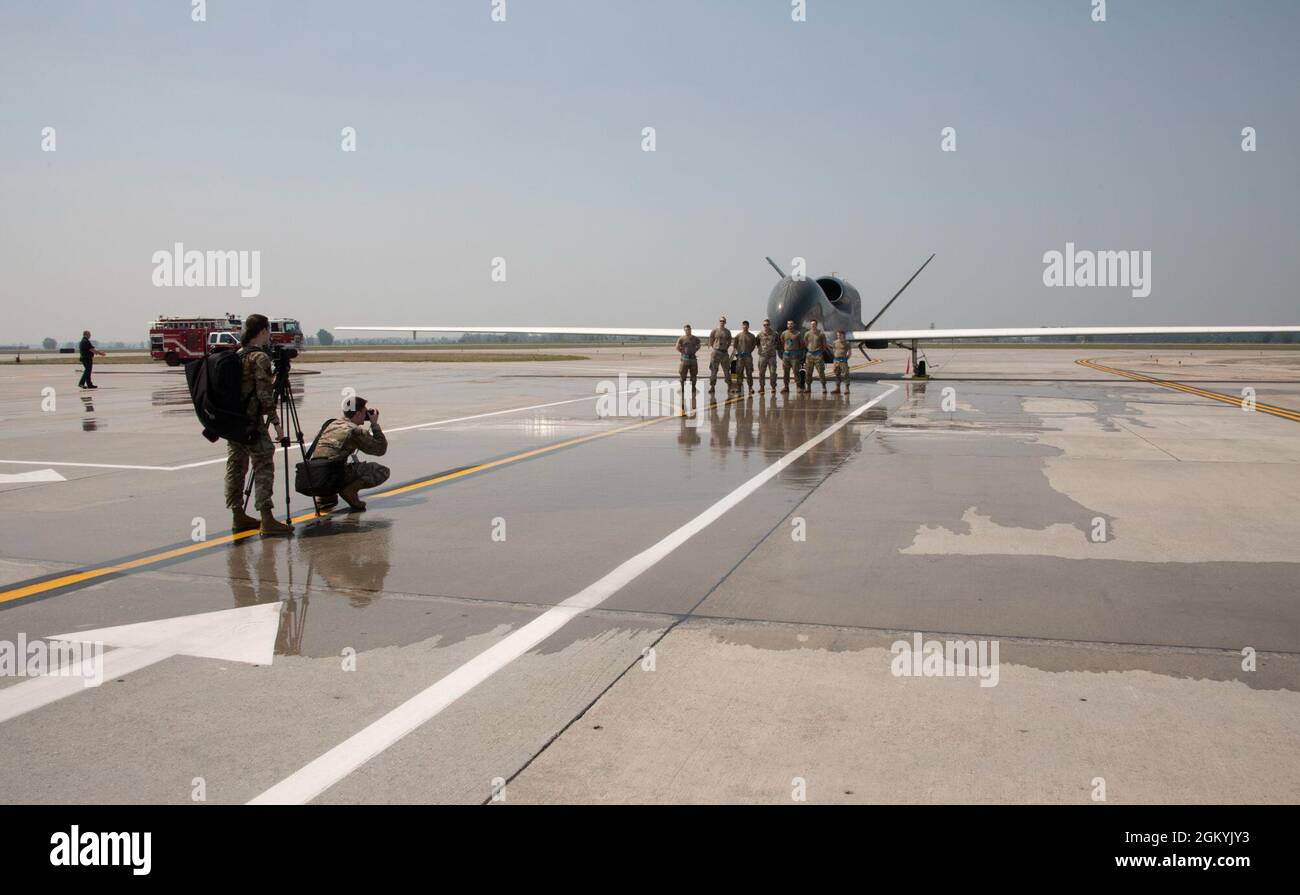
(522, 139)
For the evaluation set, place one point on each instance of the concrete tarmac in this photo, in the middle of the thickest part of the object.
(1130, 549)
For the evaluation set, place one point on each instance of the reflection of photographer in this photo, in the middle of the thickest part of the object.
(257, 397)
(339, 440)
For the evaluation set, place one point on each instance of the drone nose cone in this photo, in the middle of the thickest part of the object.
(792, 299)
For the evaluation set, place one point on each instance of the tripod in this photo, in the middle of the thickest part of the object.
(287, 411)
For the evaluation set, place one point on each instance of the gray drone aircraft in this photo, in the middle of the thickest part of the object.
(832, 301)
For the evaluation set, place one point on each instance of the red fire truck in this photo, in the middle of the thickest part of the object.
(178, 339)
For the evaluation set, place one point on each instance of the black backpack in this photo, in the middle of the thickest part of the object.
(215, 382)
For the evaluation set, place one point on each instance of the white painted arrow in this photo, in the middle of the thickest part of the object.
(246, 635)
(39, 475)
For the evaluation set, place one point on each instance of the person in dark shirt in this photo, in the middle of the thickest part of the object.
(88, 352)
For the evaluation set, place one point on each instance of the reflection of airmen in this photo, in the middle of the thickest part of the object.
(744, 346)
(252, 574)
(814, 342)
(840, 352)
(769, 424)
(689, 436)
(719, 342)
(720, 426)
(791, 353)
(257, 394)
(341, 439)
(357, 568)
(745, 424)
(768, 342)
(687, 346)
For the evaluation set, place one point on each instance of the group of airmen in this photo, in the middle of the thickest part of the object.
(794, 349)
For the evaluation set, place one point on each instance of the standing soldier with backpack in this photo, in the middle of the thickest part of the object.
(257, 392)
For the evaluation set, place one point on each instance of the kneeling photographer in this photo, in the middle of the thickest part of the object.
(336, 444)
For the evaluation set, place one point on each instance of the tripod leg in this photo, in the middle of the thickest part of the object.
(284, 406)
(288, 488)
(302, 443)
(289, 416)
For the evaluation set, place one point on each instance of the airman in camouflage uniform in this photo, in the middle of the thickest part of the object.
(719, 342)
(341, 439)
(840, 352)
(687, 347)
(257, 392)
(814, 342)
(744, 348)
(791, 353)
(768, 342)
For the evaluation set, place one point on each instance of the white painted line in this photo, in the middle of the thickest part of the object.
(313, 779)
(886, 433)
(479, 416)
(194, 465)
(39, 475)
(428, 425)
(89, 465)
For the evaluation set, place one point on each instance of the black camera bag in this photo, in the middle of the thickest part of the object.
(318, 477)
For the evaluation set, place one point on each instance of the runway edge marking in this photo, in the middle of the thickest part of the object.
(320, 774)
(1260, 407)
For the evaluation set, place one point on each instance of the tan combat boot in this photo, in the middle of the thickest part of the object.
(272, 526)
(353, 500)
(242, 521)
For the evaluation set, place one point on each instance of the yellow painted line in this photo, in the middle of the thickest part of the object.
(1283, 412)
(90, 574)
(74, 578)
